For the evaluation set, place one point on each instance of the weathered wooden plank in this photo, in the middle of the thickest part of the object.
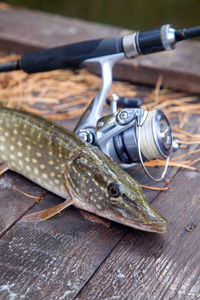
(13, 204)
(179, 68)
(53, 259)
(42, 30)
(23, 30)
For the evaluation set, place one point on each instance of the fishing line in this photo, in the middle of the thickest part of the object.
(147, 145)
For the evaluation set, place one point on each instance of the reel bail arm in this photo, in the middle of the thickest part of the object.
(93, 113)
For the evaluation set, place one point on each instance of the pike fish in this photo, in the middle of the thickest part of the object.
(62, 163)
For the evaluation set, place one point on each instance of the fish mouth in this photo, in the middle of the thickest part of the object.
(158, 227)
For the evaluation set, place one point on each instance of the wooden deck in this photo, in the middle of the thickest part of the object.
(68, 257)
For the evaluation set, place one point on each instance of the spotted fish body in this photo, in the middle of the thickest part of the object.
(59, 161)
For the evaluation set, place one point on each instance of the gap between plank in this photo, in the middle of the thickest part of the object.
(22, 215)
(105, 258)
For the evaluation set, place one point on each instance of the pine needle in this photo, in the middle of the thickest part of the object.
(184, 155)
(195, 161)
(154, 188)
(188, 134)
(25, 194)
(160, 163)
(188, 142)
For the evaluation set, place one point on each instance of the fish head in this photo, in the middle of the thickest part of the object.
(97, 184)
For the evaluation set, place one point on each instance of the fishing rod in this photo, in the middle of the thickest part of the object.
(131, 135)
(72, 56)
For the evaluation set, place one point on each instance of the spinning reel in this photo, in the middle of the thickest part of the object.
(131, 135)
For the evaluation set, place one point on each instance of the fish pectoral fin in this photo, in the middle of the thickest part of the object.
(47, 213)
(3, 168)
(94, 218)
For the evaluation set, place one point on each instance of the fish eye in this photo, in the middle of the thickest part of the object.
(114, 190)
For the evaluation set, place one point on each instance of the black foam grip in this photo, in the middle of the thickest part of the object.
(69, 56)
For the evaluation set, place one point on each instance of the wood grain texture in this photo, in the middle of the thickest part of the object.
(179, 68)
(148, 266)
(53, 259)
(13, 204)
(23, 30)
(42, 30)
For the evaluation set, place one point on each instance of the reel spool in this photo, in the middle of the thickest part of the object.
(154, 136)
(155, 140)
(133, 136)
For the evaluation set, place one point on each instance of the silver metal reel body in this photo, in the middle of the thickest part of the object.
(101, 131)
(113, 125)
